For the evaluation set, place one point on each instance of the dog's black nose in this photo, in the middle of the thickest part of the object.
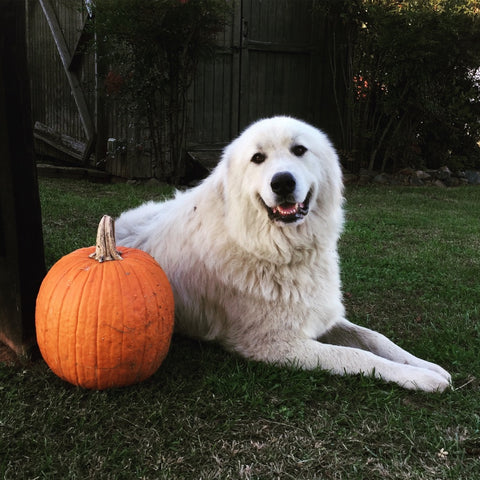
(283, 183)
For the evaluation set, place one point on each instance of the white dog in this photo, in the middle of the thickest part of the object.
(251, 254)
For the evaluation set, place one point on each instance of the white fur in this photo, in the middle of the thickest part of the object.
(265, 289)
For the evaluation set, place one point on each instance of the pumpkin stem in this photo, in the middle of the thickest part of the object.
(105, 246)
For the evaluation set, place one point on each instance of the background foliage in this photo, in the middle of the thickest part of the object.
(413, 94)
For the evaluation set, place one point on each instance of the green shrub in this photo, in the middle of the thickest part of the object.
(413, 96)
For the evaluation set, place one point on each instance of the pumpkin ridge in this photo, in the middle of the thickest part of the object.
(124, 294)
(81, 263)
(95, 341)
(53, 292)
(148, 279)
(118, 295)
(153, 278)
(107, 292)
(135, 273)
(79, 307)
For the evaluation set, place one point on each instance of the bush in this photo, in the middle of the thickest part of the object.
(150, 50)
(413, 96)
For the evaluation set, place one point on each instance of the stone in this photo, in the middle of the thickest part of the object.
(349, 178)
(364, 179)
(407, 171)
(422, 175)
(452, 182)
(473, 177)
(443, 173)
(381, 179)
(416, 181)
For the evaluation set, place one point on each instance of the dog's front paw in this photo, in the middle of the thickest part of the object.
(426, 380)
(440, 371)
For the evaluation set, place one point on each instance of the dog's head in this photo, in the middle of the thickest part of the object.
(281, 173)
(284, 166)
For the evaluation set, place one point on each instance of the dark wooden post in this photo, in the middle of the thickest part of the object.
(22, 264)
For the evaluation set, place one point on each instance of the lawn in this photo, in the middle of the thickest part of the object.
(410, 268)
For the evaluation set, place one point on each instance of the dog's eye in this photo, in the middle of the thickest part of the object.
(299, 150)
(258, 158)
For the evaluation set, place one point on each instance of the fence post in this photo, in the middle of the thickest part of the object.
(22, 264)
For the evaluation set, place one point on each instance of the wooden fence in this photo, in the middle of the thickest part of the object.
(274, 57)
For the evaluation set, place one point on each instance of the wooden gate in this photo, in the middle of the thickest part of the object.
(274, 61)
(273, 58)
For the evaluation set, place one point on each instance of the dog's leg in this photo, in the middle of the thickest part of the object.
(348, 334)
(310, 354)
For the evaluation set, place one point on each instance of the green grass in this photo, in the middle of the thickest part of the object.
(410, 268)
(73, 208)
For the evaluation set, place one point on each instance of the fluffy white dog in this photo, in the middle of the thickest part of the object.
(251, 254)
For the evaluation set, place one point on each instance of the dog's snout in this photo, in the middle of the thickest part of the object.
(283, 183)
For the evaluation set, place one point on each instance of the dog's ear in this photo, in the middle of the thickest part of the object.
(219, 176)
(224, 168)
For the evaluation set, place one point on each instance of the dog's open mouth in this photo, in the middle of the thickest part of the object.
(289, 212)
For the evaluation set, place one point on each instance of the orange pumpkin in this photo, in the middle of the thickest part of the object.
(104, 317)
